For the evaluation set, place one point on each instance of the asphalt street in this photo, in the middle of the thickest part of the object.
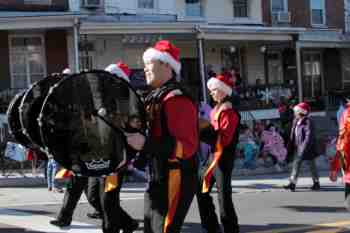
(262, 206)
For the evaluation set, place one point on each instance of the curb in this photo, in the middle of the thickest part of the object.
(11, 182)
(22, 182)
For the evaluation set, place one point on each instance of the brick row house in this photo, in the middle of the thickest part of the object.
(33, 42)
(285, 47)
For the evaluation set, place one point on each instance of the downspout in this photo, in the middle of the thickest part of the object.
(76, 44)
(200, 41)
(298, 63)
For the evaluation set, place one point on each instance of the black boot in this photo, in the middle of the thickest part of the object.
(316, 186)
(290, 186)
(95, 215)
(60, 223)
(133, 227)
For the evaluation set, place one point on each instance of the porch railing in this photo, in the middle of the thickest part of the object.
(6, 96)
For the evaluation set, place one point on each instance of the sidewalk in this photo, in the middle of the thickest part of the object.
(28, 180)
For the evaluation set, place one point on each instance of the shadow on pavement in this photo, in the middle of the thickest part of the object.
(318, 209)
(271, 228)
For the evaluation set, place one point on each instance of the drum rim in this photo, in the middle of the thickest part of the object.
(21, 114)
(10, 111)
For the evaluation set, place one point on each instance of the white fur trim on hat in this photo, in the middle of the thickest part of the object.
(154, 54)
(216, 83)
(66, 71)
(299, 110)
(114, 69)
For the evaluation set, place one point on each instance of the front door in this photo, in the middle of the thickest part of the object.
(190, 77)
(312, 75)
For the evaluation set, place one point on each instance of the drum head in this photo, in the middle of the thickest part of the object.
(15, 126)
(80, 118)
(31, 105)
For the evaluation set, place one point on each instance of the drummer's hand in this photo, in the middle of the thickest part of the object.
(333, 176)
(135, 140)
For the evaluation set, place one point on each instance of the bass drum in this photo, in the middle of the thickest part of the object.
(82, 122)
(15, 126)
(30, 108)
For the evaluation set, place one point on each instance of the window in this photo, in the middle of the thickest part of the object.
(347, 15)
(193, 8)
(85, 62)
(279, 5)
(317, 12)
(27, 62)
(146, 4)
(240, 8)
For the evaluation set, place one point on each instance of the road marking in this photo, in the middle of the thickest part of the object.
(305, 229)
(34, 222)
(59, 202)
(329, 231)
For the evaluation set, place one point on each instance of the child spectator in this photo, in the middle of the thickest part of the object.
(136, 167)
(248, 147)
(52, 168)
(273, 146)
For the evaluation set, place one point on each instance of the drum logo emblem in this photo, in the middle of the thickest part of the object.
(98, 164)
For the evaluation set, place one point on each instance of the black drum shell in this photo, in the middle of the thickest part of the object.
(82, 122)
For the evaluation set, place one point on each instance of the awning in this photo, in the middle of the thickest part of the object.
(246, 33)
(36, 20)
(326, 38)
(134, 28)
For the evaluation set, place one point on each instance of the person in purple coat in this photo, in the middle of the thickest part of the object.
(303, 144)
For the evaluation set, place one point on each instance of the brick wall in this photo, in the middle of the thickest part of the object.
(300, 13)
(5, 80)
(56, 51)
(18, 5)
(266, 12)
(335, 17)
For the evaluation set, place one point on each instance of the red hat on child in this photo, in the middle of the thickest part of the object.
(221, 82)
(302, 108)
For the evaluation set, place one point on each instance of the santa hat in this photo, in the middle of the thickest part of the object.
(302, 108)
(166, 52)
(66, 71)
(120, 69)
(221, 82)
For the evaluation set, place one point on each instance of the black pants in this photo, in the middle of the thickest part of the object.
(298, 161)
(347, 197)
(77, 185)
(114, 217)
(228, 216)
(156, 199)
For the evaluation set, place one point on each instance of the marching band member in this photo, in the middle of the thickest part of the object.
(114, 216)
(341, 160)
(171, 145)
(222, 134)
